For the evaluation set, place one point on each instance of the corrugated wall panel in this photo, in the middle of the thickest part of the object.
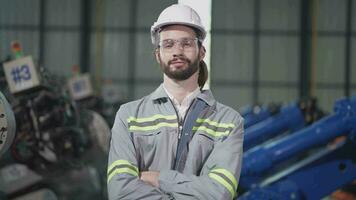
(146, 64)
(280, 14)
(114, 13)
(332, 15)
(279, 51)
(233, 96)
(232, 58)
(19, 12)
(330, 60)
(63, 12)
(147, 12)
(330, 55)
(62, 52)
(279, 59)
(114, 55)
(232, 51)
(233, 14)
(278, 95)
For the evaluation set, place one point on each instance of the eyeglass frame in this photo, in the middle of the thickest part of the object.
(175, 41)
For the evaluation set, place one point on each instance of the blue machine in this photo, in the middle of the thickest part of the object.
(316, 175)
(291, 118)
(254, 114)
(330, 169)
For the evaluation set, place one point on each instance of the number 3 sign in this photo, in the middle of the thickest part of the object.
(21, 74)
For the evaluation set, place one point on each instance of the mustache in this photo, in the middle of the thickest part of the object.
(183, 58)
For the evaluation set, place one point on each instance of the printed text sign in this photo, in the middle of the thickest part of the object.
(21, 74)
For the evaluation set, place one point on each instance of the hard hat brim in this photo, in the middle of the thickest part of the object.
(155, 29)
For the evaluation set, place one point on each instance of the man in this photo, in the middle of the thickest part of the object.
(177, 142)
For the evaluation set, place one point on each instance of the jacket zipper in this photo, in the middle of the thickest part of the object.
(181, 121)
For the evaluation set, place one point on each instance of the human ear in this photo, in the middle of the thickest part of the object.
(202, 52)
(158, 56)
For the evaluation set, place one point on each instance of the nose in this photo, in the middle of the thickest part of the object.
(178, 49)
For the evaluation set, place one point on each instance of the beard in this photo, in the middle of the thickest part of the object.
(180, 74)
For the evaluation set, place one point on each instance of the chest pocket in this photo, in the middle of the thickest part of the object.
(154, 148)
(147, 141)
(145, 145)
(200, 147)
(201, 143)
(147, 131)
(207, 132)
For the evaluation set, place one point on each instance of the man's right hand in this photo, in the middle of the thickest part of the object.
(150, 177)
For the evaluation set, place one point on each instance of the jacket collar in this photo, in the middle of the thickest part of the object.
(205, 95)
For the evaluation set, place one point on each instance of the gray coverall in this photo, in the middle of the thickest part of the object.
(145, 137)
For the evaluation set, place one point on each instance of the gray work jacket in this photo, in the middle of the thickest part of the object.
(145, 137)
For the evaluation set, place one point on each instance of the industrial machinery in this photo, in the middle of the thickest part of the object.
(290, 118)
(59, 151)
(320, 166)
(257, 113)
(7, 125)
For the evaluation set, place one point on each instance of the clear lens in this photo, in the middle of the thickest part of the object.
(186, 44)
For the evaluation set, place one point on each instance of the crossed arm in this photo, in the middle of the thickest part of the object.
(218, 179)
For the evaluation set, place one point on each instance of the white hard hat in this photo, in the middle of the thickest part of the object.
(178, 14)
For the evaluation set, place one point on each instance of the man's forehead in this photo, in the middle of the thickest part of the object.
(177, 29)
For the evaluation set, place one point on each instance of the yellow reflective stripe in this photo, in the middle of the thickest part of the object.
(122, 170)
(228, 174)
(120, 162)
(219, 125)
(149, 128)
(154, 117)
(224, 183)
(210, 131)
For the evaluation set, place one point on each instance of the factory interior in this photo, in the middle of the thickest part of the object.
(287, 66)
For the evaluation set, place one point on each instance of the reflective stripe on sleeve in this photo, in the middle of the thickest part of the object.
(228, 175)
(120, 167)
(225, 178)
